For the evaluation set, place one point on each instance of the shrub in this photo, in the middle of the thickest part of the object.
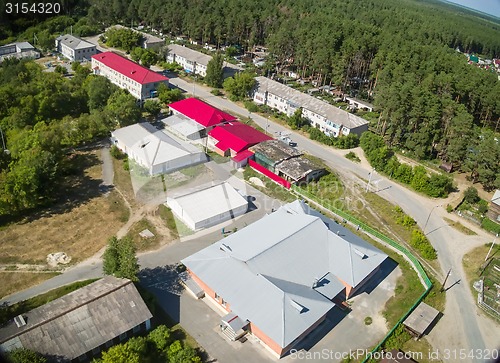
(449, 208)
(422, 244)
(250, 106)
(216, 92)
(471, 196)
(352, 156)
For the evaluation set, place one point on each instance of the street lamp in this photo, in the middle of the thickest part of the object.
(5, 150)
(429, 216)
(488, 255)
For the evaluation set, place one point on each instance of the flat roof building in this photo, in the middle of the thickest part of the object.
(18, 50)
(419, 321)
(79, 325)
(280, 274)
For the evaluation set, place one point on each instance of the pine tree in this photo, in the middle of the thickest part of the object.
(215, 71)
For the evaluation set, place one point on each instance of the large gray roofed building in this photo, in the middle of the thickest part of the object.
(73, 42)
(310, 103)
(79, 322)
(281, 272)
(190, 54)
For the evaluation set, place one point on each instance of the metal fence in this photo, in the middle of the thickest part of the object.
(401, 250)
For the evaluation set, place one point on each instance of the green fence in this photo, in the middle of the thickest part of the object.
(403, 250)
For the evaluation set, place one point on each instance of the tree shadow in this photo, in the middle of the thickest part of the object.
(163, 282)
(75, 189)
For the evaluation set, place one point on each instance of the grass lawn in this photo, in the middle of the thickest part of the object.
(27, 305)
(271, 188)
(141, 243)
(460, 227)
(79, 225)
(217, 158)
(17, 281)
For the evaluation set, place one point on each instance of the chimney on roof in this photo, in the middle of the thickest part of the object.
(132, 72)
(315, 283)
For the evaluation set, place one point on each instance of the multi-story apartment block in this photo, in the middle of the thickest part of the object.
(191, 60)
(75, 49)
(329, 119)
(141, 82)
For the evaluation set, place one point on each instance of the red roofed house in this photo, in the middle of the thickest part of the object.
(138, 80)
(234, 137)
(201, 113)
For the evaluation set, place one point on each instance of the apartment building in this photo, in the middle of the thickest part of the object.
(141, 82)
(75, 49)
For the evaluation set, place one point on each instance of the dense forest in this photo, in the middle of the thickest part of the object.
(43, 116)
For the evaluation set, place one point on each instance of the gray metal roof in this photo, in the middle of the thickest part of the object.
(266, 271)
(82, 320)
(153, 146)
(330, 112)
(496, 197)
(189, 54)
(74, 42)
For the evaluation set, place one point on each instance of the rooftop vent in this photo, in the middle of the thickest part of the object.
(132, 72)
(132, 304)
(300, 308)
(225, 248)
(360, 254)
(19, 320)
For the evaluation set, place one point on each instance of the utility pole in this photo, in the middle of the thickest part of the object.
(369, 180)
(491, 247)
(446, 279)
(428, 217)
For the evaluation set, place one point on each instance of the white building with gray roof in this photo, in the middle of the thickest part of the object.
(330, 119)
(155, 150)
(191, 60)
(79, 325)
(279, 275)
(75, 49)
(18, 50)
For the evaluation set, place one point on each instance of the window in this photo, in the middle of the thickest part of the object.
(223, 303)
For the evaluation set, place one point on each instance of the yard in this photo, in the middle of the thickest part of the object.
(78, 225)
(476, 269)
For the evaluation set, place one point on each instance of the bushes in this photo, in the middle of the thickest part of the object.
(383, 160)
(157, 346)
(422, 244)
(352, 156)
(250, 106)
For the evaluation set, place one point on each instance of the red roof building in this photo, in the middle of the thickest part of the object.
(231, 138)
(140, 81)
(200, 112)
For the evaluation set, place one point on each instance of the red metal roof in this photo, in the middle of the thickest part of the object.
(245, 154)
(237, 136)
(128, 68)
(201, 112)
